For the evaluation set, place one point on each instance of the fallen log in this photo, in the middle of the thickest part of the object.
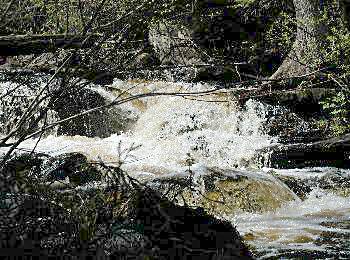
(303, 101)
(96, 76)
(333, 152)
(14, 45)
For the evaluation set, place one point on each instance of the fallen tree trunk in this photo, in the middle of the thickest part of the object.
(302, 101)
(96, 76)
(330, 152)
(14, 45)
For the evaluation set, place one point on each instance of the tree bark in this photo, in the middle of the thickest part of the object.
(305, 55)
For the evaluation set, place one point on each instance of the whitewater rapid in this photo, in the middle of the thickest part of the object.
(172, 132)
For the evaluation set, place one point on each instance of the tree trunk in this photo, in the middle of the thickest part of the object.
(305, 55)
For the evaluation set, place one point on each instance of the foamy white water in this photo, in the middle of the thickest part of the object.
(170, 128)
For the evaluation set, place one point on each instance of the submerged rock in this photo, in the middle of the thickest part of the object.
(290, 128)
(330, 180)
(17, 94)
(302, 101)
(221, 191)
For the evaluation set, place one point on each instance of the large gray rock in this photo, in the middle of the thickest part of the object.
(174, 47)
(173, 44)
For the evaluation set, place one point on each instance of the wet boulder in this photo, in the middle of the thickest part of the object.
(75, 166)
(99, 123)
(223, 192)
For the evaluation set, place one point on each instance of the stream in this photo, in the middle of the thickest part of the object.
(212, 131)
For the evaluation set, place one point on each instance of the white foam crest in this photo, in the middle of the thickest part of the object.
(215, 134)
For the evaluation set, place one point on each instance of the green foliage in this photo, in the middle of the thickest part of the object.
(244, 3)
(335, 52)
(336, 42)
(338, 108)
(281, 33)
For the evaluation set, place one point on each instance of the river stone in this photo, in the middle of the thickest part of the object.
(221, 191)
(338, 183)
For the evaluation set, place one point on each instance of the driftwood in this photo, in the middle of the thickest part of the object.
(14, 45)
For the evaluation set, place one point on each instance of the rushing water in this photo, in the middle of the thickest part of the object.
(213, 132)
(316, 227)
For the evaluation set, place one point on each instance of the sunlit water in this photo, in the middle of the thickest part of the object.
(170, 130)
